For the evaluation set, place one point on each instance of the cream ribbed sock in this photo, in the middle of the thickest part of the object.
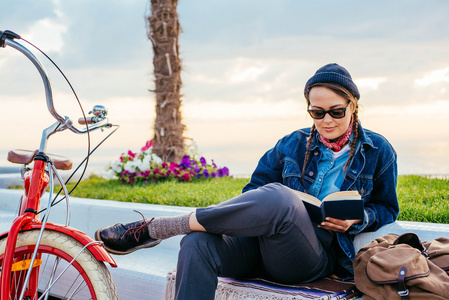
(165, 227)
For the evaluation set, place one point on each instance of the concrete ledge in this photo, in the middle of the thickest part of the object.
(143, 274)
(10, 176)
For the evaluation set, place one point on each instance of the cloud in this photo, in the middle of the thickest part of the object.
(436, 76)
(106, 34)
(371, 83)
(251, 73)
(252, 110)
(245, 70)
(20, 16)
(48, 33)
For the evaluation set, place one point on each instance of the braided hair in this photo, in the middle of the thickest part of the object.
(341, 91)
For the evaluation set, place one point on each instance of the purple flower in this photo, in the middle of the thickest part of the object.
(206, 173)
(214, 174)
(223, 172)
(203, 161)
(197, 169)
(185, 163)
(213, 164)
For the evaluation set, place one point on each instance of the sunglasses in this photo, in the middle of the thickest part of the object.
(336, 113)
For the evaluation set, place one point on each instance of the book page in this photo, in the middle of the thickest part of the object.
(343, 195)
(308, 198)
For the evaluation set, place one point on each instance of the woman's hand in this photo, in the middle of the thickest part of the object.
(338, 225)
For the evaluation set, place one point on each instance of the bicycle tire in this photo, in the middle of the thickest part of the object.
(90, 272)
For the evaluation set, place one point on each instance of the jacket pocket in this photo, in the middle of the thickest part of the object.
(364, 185)
(291, 174)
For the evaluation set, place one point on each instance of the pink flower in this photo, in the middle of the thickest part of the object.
(147, 146)
(131, 154)
(173, 166)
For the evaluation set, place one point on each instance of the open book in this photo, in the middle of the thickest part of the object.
(344, 205)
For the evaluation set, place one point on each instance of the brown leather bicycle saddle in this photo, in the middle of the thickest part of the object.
(25, 157)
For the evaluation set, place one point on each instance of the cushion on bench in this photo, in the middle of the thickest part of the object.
(256, 288)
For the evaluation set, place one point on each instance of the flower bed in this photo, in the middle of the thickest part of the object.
(147, 167)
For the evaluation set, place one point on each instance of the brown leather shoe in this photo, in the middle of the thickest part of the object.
(123, 239)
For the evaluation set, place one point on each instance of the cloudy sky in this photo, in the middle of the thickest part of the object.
(245, 64)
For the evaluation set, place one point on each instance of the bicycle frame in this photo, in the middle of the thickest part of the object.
(28, 215)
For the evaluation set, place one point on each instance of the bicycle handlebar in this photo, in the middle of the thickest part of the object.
(42, 72)
(6, 39)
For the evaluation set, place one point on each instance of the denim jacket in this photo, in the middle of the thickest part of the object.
(372, 172)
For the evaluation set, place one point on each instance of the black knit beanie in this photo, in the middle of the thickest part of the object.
(334, 73)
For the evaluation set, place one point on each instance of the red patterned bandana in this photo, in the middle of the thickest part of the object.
(341, 140)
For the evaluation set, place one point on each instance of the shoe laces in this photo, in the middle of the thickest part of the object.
(136, 230)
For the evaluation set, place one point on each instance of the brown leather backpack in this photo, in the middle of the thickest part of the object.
(401, 267)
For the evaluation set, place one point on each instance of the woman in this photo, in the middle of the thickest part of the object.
(266, 230)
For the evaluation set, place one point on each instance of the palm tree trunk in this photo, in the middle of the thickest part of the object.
(164, 33)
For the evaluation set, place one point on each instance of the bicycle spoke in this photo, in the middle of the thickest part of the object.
(76, 290)
(71, 287)
(52, 275)
(17, 277)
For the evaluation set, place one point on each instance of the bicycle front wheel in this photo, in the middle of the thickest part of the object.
(53, 273)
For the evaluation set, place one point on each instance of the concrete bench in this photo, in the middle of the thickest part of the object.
(143, 274)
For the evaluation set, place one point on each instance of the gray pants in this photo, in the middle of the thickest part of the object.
(266, 229)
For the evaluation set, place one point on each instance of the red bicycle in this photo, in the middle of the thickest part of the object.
(41, 260)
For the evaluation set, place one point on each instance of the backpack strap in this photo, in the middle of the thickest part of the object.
(402, 288)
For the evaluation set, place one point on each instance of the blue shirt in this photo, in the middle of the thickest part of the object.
(329, 177)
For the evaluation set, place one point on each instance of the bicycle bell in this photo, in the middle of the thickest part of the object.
(99, 111)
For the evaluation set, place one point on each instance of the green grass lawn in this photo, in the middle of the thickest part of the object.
(420, 198)
(195, 194)
(423, 199)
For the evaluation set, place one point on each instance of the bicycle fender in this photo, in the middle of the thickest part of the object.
(96, 249)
